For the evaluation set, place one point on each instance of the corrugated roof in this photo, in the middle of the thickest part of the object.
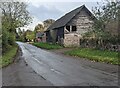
(66, 18)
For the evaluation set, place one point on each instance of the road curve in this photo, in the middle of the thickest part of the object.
(64, 71)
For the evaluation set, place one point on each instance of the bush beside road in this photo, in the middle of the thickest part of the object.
(8, 57)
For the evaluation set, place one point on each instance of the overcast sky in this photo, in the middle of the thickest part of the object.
(54, 9)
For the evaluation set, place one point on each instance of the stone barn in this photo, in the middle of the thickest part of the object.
(69, 28)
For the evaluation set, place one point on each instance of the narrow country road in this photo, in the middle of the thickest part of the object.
(59, 70)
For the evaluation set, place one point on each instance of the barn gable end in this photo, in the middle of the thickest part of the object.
(71, 26)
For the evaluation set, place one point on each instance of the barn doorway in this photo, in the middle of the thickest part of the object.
(68, 28)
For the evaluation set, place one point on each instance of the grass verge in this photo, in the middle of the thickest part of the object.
(47, 46)
(96, 55)
(8, 57)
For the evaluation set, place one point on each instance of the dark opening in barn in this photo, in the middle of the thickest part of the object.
(68, 28)
(74, 28)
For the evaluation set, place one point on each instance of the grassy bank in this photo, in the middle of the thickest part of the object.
(47, 46)
(96, 55)
(8, 57)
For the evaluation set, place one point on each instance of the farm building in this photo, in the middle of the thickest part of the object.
(69, 28)
(41, 37)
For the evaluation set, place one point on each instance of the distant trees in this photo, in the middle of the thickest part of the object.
(44, 26)
(29, 35)
(25, 36)
(47, 23)
(39, 28)
(14, 15)
(20, 35)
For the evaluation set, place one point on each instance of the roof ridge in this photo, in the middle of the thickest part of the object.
(77, 12)
(75, 9)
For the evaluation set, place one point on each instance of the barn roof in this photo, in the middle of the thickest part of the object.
(67, 17)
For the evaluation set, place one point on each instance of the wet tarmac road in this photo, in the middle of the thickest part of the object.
(64, 71)
(21, 74)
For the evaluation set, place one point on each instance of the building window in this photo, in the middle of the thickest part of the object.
(68, 28)
(74, 28)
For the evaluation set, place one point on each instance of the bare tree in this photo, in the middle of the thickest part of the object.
(15, 14)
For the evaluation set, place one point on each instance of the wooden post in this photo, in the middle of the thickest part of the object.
(70, 28)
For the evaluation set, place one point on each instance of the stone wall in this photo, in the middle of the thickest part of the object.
(71, 40)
